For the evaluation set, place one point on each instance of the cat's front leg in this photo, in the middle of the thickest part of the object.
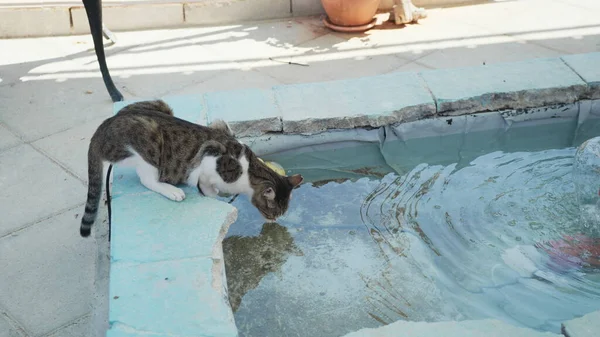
(149, 177)
(209, 190)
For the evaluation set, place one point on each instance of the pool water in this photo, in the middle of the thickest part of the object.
(496, 234)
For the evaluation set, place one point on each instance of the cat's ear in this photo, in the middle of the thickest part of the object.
(295, 180)
(269, 193)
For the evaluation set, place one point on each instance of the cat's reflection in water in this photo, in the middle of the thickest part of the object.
(249, 258)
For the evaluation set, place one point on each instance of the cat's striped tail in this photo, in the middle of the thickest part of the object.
(95, 167)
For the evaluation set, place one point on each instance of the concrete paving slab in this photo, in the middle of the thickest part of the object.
(23, 53)
(585, 326)
(230, 80)
(414, 66)
(179, 230)
(78, 328)
(185, 66)
(7, 329)
(586, 66)
(414, 41)
(171, 298)
(35, 109)
(262, 40)
(307, 7)
(368, 101)
(27, 22)
(214, 12)
(576, 40)
(7, 139)
(250, 112)
(55, 190)
(48, 268)
(131, 17)
(70, 147)
(498, 50)
(325, 59)
(585, 4)
(524, 84)
(492, 16)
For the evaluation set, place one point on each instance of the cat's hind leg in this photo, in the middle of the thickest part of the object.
(149, 177)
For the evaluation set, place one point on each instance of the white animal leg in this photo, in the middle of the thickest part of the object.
(149, 177)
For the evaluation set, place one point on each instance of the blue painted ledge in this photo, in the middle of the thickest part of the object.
(167, 276)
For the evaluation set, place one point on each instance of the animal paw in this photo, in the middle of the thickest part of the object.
(173, 193)
(209, 191)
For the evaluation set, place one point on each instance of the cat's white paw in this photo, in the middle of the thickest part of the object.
(209, 191)
(173, 193)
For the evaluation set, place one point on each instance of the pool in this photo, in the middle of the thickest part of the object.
(458, 196)
(457, 218)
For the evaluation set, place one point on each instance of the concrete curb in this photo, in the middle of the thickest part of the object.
(69, 17)
(402, 97)
(167, 274)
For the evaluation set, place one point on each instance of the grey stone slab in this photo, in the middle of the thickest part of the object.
(533, 83)
(78, 328)
(33, 187)
(132, 16)
(307, 7)
(38, 108)
(141, 221)
(70, 147)
(487, 328)
(47, 273)
(585, 326)
(7, 329)
(7, 139)
(226, 11)
(250, 112)
(588, 67)
(328, 56)
(36, 21)
(171, 298)
(362, 102)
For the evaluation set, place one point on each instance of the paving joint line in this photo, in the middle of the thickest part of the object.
(13, 322)
(575, 71)
(68, 324)
(57, 162)
(42, 219)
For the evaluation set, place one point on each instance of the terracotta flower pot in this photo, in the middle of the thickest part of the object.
(350, 12)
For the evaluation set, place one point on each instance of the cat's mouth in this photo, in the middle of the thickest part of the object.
(269, 219)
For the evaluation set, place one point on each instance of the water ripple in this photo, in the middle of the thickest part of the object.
(504, 234)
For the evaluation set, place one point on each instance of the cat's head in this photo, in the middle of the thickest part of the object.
(272, 192)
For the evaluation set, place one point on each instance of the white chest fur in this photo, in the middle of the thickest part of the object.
(211, 182)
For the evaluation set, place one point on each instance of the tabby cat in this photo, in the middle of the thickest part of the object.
(167, 151)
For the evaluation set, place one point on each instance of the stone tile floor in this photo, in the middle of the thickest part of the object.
(52, 99)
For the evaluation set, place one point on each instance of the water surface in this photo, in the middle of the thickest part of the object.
(498, 236)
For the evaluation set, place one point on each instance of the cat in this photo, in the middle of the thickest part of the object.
(167, 151)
